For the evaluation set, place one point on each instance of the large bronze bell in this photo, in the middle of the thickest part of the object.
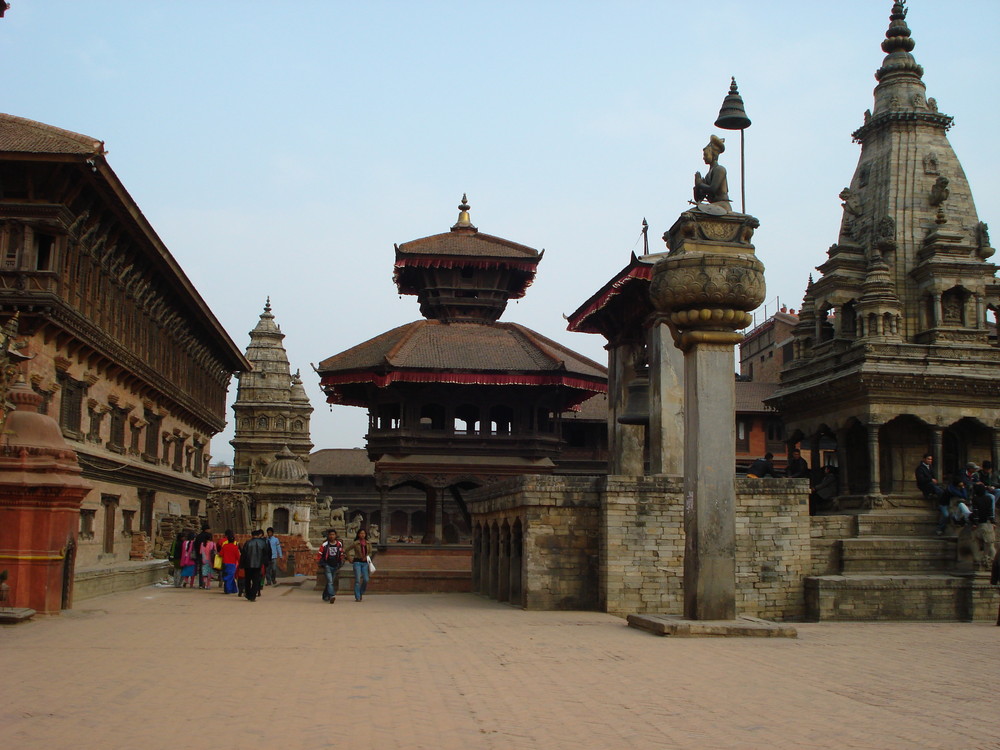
(637, 401)
(732, 116)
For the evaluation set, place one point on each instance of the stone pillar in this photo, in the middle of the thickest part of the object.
(431, 517)
(938, 313)
(843, 464)
(703, 290)
(995, 458)
(937, 449)
(874, 475)
(40, 494)
(384, 520)
(626, 442)
(666, 403)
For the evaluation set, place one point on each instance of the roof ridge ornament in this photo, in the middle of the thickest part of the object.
(464, 222)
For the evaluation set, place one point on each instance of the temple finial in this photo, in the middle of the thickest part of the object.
(267, 305)
(898, 45)
(464, 222)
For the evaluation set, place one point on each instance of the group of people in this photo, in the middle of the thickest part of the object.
(333, 554)
(244, 569)
(822, 493)
(240, 570)
(969, 499)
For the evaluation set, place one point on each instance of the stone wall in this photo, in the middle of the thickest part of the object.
(642, 547)
(617, 543)
(557, 521)
(773, 549)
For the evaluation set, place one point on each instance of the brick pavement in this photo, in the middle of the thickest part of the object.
(176, 668)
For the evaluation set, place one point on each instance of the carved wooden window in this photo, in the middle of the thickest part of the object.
(116, 436)
(199, 458)
(128, 520)
(71, 405)
(152, 434)
(110, 504)
(178, 453)
(743, 434)
(87, 517)
(44, 252)
(432, 417)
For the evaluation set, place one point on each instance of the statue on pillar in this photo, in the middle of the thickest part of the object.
(714, 186)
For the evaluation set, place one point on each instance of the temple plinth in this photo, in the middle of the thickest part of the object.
(704, 290)
(41, 489)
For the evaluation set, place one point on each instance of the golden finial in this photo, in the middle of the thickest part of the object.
(464, 222)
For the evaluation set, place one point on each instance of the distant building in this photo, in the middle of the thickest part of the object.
(767, 348)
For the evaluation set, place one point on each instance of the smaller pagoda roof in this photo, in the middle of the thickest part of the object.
(586, 318)
(341, 462)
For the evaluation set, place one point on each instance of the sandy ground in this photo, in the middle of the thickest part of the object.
(172, 668)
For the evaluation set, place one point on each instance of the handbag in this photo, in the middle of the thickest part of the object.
(371, 565)
(217, 562)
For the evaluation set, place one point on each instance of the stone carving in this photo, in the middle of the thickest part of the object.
(885, 233)
(352, 528)
(714, 186)
(863, 174)
(373, 533)
(932, 104)
(894, 103)
(983, 249)
(917, 101)
(868, 116)
(930, 163)
(940, 192)
(852, 211)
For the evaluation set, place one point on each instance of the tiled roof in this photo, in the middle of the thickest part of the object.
(470, 244)
(750, 396)
(27, 136)
(593, 409)
(341, 461)
(463, 347)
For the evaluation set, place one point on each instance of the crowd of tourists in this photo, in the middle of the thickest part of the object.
(244, 569)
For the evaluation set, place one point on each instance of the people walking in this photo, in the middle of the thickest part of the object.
(187, 560)
(204, 536)
(359, 553)
(276, 554)
(254, 558)
(174, 555)
(230, 554)
(330, 559)
(206, 552)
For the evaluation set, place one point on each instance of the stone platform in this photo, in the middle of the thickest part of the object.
(14, 615)
(414, 569)
(91, 582)
(741, 627)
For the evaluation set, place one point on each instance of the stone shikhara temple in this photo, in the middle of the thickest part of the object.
(892, 358)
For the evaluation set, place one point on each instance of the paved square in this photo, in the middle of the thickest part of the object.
(178, 668)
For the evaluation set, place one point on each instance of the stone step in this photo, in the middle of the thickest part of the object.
(940, 598)
(896, 524)
(886, 555)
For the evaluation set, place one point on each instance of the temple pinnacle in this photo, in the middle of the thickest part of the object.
(464, 222)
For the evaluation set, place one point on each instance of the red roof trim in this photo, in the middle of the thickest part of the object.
(578, 321)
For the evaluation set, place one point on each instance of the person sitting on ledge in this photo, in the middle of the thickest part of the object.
(762, 467)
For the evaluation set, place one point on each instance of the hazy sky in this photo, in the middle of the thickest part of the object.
(281, 148)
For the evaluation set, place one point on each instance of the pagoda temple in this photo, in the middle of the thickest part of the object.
(893, 356)
(459, 400)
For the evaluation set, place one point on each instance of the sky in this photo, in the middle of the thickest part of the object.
(279, 149)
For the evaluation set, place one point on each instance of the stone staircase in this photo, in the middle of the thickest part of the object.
(888, 564)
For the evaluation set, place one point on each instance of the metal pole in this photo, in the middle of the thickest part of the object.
(743, 182)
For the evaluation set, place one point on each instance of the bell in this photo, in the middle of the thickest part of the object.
(732, 116)
(637, 402)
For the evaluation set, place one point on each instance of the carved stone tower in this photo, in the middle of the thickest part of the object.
(271, 409)
(893, 355)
